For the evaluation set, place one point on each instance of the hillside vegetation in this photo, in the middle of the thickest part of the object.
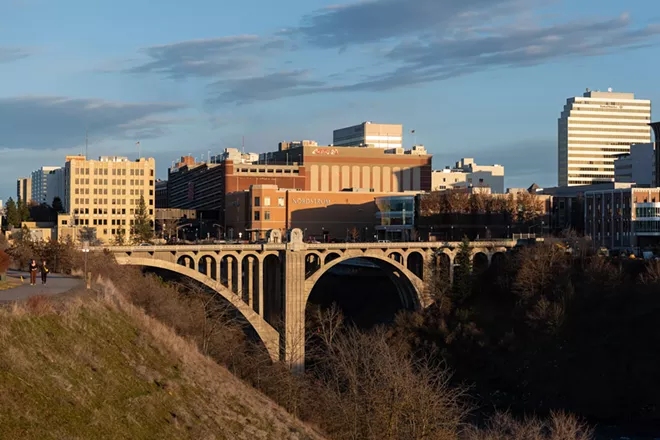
(100, 368)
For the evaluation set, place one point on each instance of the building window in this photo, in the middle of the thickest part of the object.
(280, 201)
(257, 201)
(266, 201)
(257, 215)
(266, 215)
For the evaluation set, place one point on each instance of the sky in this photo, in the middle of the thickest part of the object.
(474, 78)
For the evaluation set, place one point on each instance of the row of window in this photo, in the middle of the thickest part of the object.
(257, 201)
(647, 226)
(78, 201)
(617, 121)
(271, 170)
(131, 182)
(607, 110)
(642, 131)
(647, 212)
(115, 172)
(104, 211)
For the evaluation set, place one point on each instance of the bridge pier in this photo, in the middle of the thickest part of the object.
(294, 310)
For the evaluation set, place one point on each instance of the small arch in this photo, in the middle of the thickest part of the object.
(479, 262)
(207, 266)
(396, 256)
(415, 264)
(312, 264)
(186, 261)
(229, 271)
(331, 257)
(443, 266)
(498, 261)
(272, 294)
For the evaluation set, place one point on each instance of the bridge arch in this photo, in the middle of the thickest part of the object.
(268, 335)
(411, 286)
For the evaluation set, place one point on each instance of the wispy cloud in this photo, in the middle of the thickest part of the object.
(9, 54)
(208, 57)
(401, 43)
(44, 122)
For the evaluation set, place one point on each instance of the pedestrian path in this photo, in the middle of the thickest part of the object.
(56, 284)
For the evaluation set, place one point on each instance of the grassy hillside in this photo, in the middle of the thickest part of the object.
(99, 368)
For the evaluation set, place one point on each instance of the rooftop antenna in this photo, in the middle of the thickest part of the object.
(86, 143)
(243, 144)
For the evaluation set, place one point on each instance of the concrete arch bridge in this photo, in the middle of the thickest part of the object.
(270, 284)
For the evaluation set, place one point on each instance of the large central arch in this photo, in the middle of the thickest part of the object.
(268, 335)
(412, 285)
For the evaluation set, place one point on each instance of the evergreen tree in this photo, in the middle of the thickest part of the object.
(57, 205)
(120, 238)
(13, 218)
(23, 211)
(143, 231)
(462, 287)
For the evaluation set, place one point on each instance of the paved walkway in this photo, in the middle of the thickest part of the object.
(56, 284)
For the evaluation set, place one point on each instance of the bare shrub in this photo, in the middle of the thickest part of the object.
(503, 426)
(373, 391)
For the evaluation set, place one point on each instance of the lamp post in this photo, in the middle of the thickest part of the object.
(85, 250)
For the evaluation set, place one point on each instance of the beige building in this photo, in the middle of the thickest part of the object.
(104, 194)
(467, 174)
(594, 129)
(24, 189)
(369, 134)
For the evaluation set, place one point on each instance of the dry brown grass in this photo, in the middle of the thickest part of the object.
(99, 367)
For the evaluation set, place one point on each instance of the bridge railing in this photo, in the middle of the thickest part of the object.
(314, 246)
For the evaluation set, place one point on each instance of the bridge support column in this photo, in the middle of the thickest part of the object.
(209, 272)
(230, 273)
(261, 265)
(294, 310)
(250, 282)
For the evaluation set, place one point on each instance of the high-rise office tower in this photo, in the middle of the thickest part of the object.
(594, 129)
(40, 184)
(369, 134)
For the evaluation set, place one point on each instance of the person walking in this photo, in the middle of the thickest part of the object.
(33, 272)
(44, 272)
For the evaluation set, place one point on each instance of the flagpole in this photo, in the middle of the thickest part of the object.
(139, 150)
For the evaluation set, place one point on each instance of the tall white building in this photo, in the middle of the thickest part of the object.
(40, 184)
(55, 186)
(637, 167)
(594, 129)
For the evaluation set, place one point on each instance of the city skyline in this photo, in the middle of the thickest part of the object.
(490, 85)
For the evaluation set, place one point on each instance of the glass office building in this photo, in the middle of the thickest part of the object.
(395, 219)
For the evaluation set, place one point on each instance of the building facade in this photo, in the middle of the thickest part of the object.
(24, 189)
(369, 134)
(103, 195)
(623, 218)
(335, 169)
(595, 128)
(56, 183)
(447, 178)
(636, 167)
(40, 184)
(322, 216)
(161, 194)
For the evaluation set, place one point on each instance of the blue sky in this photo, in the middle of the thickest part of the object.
(477, 78)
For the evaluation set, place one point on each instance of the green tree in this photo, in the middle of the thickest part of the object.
(142, 231)
(57, 205)
(120, 237)
(23, 211)
(462, 286)
(89, 235)
(13, 218)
